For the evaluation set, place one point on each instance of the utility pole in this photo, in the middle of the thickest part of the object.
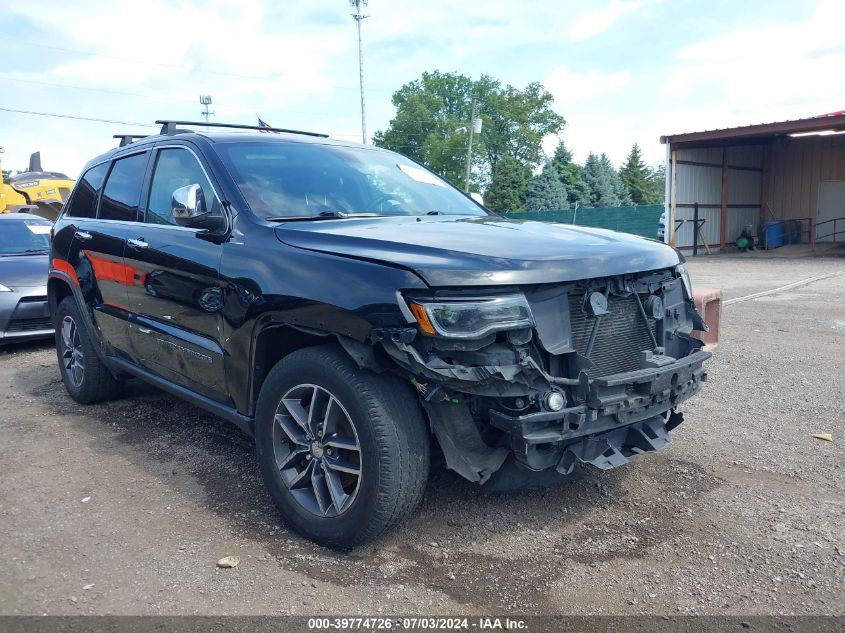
(205, 100)
(474, 127)
(359, 16)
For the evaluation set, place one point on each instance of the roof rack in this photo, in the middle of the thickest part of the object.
(170, 127)
(126, 139)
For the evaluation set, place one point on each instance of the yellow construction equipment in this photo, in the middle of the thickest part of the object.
(35, 190)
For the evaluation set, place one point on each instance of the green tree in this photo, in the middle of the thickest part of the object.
(431, 109)
(657, 181)
(572, 176)
(645, 183)
(546, 192)
(635, 174)
(508, 185)
(605, 185)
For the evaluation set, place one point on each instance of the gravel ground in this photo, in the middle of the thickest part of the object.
(125, 507)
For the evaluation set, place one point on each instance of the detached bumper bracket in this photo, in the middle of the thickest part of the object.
(616, 448)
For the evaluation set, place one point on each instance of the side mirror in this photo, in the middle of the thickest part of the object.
(188, 205)
(189, 209)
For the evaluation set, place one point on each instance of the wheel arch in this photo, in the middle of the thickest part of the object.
(61, 285)
(271, 344)
(275, 341)
(58, 287)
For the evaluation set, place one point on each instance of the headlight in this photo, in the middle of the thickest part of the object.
(471, 317)
(5, 288)
(684, 273)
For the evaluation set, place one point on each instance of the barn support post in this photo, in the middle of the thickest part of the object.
(723, 221)
(673, 204)
(764, 184)
(696, 229)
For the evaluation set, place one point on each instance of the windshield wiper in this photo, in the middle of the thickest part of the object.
(324, 215)
(31, 251)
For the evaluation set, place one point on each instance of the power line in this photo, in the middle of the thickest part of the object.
(144, 62)
(149, 125)
(76, 117)
(158, 97)
(147, 62)
(91, 89)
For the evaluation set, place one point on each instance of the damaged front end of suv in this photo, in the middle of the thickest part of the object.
(524, 384)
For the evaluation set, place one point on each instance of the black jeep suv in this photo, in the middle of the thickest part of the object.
(351, 309)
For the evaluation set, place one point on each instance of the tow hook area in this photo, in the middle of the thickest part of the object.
(617, 448)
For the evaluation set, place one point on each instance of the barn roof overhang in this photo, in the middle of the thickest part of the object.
(760, 133)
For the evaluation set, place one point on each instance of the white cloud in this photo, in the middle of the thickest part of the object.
(306, 51)
(596, 21)
(162, 51)
(586, 99)
(762, 73)
(569, 87)
(770, 71)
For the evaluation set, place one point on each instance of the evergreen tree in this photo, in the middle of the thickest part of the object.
(546, 192)
(606, 188)
(637, 177)
(572, 176)
(562, 155)
(657, 183)
(646, 184)
(508, 185)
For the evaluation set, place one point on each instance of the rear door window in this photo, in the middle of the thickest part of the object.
(84, 201)
(122, 192)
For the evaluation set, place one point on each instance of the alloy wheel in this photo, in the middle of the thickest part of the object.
(317, 450)
(72, 354)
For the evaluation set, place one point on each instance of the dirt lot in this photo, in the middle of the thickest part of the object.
(124, 508)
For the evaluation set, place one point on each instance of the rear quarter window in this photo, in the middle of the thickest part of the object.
(83, 204)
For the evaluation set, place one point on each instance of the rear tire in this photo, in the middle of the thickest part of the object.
(87, 380)
(318, 410)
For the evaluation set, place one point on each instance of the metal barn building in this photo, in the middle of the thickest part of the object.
(785, 179)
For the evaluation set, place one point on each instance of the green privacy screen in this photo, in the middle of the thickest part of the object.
(639, 220)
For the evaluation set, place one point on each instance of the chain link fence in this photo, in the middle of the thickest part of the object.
(639, 220)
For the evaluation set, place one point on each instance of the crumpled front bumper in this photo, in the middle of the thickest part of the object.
(624, 414)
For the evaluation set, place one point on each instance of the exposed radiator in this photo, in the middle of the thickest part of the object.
(622, 335)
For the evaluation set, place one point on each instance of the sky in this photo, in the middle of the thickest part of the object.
(620, 71)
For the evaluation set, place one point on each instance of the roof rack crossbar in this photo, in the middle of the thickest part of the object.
(126, 139)
(169, 127)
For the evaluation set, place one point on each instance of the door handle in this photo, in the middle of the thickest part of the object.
(144, 330)
(137, 243)
(83, 235)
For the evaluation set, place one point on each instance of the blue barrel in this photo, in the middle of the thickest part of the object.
(771, 234)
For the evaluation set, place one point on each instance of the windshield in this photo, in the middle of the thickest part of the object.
(24, 236)
(281, 180)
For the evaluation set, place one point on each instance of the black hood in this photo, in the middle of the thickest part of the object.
(22, 271)
(489, 251)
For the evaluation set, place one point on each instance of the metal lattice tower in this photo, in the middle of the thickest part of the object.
(359, 17)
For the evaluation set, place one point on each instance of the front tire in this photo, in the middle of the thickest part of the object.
(344, 452)
(86, 379)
